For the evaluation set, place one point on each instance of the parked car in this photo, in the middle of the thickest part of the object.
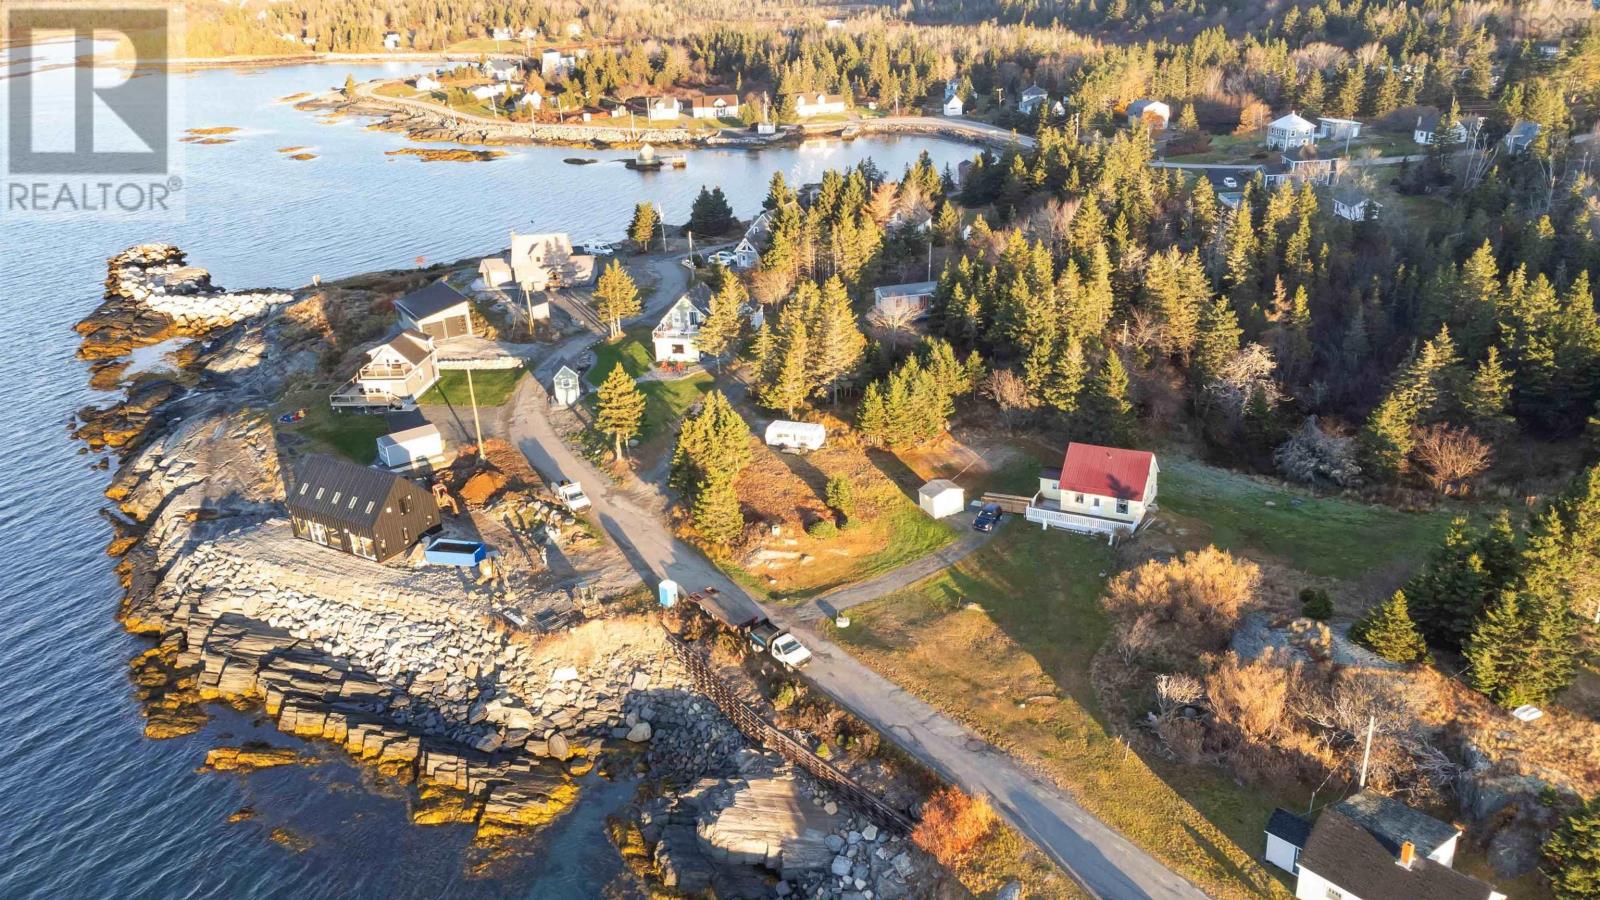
(721, 258)
(1230, 182)
(571, 494)
(765, 637)
(595, 248)
(988, 517)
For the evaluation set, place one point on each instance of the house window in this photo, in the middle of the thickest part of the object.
(1097, 503)
(361, 546)
(1122, 507)
(1335, 894)
(677, 350)
(1078, 499)
(405, 506)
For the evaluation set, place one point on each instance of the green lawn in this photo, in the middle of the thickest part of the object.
(665, 401)
(1321, 536)
(1004, 641)
(351, 435)
(905, 533)
(493, 387)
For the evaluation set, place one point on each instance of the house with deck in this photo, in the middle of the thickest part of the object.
(438, 311)
(1371, 846)
(676, 336)
(396, 373)
(1521, 137)
(357, 509)
(1097, 490)
(1425, 132)
(745, 255)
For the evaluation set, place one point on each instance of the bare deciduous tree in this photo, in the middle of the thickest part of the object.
(1312, 455)
(1450, 457)
(1009, 393)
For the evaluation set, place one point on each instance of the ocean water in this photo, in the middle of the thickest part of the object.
(88, 806)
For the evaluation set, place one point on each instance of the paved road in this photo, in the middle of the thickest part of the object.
(834, 602)
(1104, 862)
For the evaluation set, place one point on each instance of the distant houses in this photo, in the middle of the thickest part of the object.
(1521, 137)
(1354, 205)
(357, 509)
(539, 261)
(1097, 490)
(427, 83)
(1289, 132)
(438, 311)
(503, 70)
(818, 103)
(1332, 129)
(1152, 113)
(954, 103)
(1371, 846)
(714, 106)
(1302, 164)
(662, 109)
(1428, 124)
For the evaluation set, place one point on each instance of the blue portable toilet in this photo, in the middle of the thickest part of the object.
(669, 593)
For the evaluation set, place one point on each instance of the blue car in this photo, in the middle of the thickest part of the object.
(987, 518)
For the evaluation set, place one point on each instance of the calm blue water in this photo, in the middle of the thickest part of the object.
(88, 806)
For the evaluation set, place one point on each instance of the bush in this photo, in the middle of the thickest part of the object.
(1573, 852)
(952, 826)
(1388, 631)
(822, 529)
(1316, 604)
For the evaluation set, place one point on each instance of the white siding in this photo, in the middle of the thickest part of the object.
(1282, 854)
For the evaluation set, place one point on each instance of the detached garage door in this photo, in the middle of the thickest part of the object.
(454, 326)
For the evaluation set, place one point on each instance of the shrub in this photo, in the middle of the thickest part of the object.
(842, 496)
(822, 529)
(1388, 631)
(1316, 604)
(1251, 697)
(1573, 852)
(1197, 598)
(952, 826)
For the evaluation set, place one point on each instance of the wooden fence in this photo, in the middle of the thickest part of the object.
(758, 729)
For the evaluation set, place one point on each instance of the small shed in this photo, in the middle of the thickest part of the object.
(796, 435)
(941, 497)
(1286, 838)
(410, 447)
(567, 386)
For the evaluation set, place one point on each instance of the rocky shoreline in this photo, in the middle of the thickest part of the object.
(489, 724)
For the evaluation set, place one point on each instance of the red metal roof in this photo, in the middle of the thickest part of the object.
(1106, 471)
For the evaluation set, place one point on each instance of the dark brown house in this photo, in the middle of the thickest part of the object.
(360, 510)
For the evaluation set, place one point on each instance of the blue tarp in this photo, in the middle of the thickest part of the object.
(445, 552)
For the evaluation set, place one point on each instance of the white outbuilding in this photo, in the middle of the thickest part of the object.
(941, 497)
(787, 435)
(410, 447)
(566, 387)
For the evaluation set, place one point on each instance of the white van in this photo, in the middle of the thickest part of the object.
(787, 435)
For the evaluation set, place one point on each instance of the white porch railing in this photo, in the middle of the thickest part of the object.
(1083, 524)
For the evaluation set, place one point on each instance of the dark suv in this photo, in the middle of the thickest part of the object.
(987, 518)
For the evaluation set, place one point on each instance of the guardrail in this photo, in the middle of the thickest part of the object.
(753, 726)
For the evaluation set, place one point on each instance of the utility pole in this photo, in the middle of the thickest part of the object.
(663, 224)
(930, 259)
(477, 427)
(1366, 753)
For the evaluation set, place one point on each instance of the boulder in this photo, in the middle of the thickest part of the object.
(639, 733)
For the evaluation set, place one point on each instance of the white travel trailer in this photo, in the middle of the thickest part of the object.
(787, 435)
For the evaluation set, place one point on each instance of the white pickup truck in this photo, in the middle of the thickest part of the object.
(766, 637)
(571, 494)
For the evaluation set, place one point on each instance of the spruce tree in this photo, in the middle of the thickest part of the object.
(642, 230)
(716, 511)
(621, 408)
(1495, 651)
(1107, 413)
(838, 344)
(722, 324)
(1573, 854)
(710, 213)
(841, 496)
(615, 298)
(1218, 341)
(1487, 399)
(1465, 575)
(1388, 631)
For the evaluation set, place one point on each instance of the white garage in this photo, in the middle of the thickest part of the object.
(941, 497)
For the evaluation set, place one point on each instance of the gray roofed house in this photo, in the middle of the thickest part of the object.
(1521, 137)
(1351, 204)
(396, 373)
(898, 300)
(360, 510)
(1394, 822)
(1345, 857)
(1287, 834)
(438, 310)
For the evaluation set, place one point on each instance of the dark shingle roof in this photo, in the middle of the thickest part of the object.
(1289, 827)
(1393, 822)
(413, 346)
(431, 300)
(1357, 862)
(341, 491)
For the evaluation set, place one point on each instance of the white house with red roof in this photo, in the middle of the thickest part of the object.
(1097, 490)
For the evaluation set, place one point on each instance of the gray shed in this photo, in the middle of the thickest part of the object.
(941, 497)
(566, 387)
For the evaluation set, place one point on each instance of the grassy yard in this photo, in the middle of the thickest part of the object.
(1004, 641)
(349, 434)
(1321, 536)
(665, 401)
(883, 542)
(493, 387)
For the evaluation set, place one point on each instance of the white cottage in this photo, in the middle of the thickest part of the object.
(1152, 113)
(819, 104)
(941, 497)
(1031, 97)
(566, 387)
(954, 105)
(1290, 132)
(411, 448)
(662, 109)
(675, 336)
(1097, 490)
(745, 255)
(396, 373)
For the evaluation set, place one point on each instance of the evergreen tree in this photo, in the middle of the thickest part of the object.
(710, 214)
(838, 344)
(615, 298)
(841, 496)
(1494, 653)
(713, 441)
(621, 409)
(1107, 413)
(722, 324)
(716, 511)
(642, 230)
(1464, 576)
(349, 85)
(1388, 631)
(1573, 854)
(1218, 341)
(1487, 399)
(786, 386)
